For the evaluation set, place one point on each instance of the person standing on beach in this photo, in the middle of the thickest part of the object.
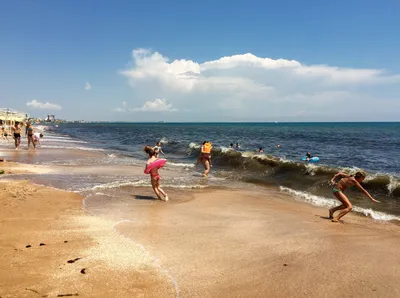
(27, 125)
(29, 135)
(17, 135)
(205, 157)
(344, 182)
(154, 176)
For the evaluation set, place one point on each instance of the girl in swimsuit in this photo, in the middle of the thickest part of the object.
(29, 132)
(155, 177)
(338, 191)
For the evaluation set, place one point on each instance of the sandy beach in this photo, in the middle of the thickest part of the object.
(203, 243)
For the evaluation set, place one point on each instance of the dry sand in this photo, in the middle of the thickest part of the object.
(112, 266)
(209, 243)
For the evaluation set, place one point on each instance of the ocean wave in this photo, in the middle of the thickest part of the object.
(277, 168)
(325, 202)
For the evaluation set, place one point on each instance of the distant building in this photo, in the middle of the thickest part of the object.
(50, 118)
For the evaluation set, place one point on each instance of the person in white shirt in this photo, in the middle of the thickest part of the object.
(157, 149)
(36, 139)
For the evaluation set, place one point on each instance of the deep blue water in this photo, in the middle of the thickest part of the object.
(370, 146)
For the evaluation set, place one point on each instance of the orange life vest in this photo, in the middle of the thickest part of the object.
(206, 148)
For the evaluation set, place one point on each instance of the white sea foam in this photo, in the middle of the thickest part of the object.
(164, 141)
(116, 184)
(325, 202)
(194, 145)
(225, 149)
(393, 184)
(185, 165)
(76, 148)
(311, 169)
(64, 140)
(144, 183)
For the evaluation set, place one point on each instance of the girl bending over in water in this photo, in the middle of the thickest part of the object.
(338, 191)
(155, 177)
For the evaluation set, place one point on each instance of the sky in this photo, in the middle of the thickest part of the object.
(201, 61)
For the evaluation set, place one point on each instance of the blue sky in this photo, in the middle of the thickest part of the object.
(335, 53)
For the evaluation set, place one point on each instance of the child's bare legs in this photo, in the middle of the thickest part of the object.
(156, 187)
(163, 192)
(346, 207)
(206, 165)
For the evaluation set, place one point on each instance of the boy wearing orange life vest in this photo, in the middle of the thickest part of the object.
(205, 157)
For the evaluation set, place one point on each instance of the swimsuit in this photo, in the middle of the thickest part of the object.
(156, 177)
(335, 190)
(206, 156)
(17, 135)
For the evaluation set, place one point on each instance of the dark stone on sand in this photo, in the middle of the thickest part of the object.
(28, 246)
(41, 244)
(65, 241)
(67, 295)
(73, 261)
(83, 271)
(34, 291)
(285, 264)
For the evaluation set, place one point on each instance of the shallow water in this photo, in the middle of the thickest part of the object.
(340, 146)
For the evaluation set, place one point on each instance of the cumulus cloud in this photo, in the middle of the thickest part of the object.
(43, 105)
(158, 105)
(249, 86)
(88, 86)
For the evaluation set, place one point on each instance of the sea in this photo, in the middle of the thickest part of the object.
(349, 147)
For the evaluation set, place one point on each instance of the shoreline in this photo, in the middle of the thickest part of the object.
(204, 242)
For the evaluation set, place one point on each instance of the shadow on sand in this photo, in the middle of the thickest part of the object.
(138, 197)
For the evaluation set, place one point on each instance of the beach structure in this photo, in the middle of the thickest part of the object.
(8, 117)
(50, 118)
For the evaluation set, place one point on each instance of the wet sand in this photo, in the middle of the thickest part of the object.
(242, 244)
(45, 154)
(203, 243)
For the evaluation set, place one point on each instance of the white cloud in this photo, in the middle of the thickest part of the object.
(250, 86)
(122, 109)
(88, 86)
(158, 105)
(44, 106)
